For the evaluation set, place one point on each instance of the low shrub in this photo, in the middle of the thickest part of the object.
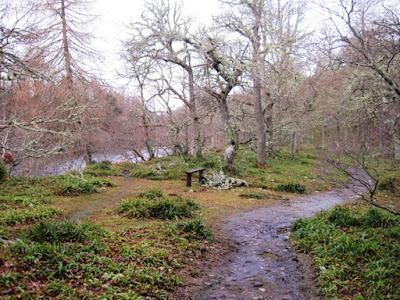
(103, 168)
(254, 196)
(294, 188)
(195, 228)
(101, 182)
(343, 217)
(153, 204)
(76, 189)
(151, 194)
(389, 183)
(27, 215)
(63, 231)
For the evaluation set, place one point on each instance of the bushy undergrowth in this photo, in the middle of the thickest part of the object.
(294, 188)
(82, 261)
(195, 228)
(27, 215)
(389, 183)
(154, 204)
(64, 231)
(259, 196)
(101, 169)
(356, 250)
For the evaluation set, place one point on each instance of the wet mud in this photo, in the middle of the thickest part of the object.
(265, 266)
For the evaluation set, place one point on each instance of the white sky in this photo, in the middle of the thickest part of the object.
(111, 27)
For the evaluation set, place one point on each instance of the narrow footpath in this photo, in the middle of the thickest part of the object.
(265, 266)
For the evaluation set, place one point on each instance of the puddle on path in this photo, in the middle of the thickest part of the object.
(265, 266)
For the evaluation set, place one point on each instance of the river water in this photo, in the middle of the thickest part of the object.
(57, 165)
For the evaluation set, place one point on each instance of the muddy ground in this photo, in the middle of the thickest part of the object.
(265, 265)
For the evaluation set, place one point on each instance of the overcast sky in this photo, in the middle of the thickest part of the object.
(115, 14)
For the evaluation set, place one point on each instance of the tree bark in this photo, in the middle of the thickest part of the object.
(256, 78)
(396, 140)
(225, 118)
(66, 53)
(193, 113)
(269, 131)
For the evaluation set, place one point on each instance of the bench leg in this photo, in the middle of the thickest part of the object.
(200, 177)
(188, 179)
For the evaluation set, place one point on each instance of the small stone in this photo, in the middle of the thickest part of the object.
(257, 284)
(262, 290)
(208, 283)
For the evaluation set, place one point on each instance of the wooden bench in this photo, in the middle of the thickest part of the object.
(189, 175)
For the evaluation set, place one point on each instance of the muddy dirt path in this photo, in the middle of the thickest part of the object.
(265, 266)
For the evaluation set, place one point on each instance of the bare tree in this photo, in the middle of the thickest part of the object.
(65, 37)
(367, 36)
(38, 116)
(161, 37)
(247, 22)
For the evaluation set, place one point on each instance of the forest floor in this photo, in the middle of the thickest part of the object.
(101, 233)
(255, 258)
(265, 266)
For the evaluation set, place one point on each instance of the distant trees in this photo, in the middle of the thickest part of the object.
(243, 79)
(271, 33)
(368, 36)
(47, 114)
(259, 44)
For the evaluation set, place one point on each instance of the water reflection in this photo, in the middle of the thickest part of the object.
(57, 165)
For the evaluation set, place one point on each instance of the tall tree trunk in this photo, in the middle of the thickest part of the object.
(66, 53)
(261, 141)
(194, 116)
(269, 131)
(147, 140)
(256, 78)
(186, 145)
(230, 138)
(295, 146)
(225, 118)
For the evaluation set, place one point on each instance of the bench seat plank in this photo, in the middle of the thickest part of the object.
(194, 170)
